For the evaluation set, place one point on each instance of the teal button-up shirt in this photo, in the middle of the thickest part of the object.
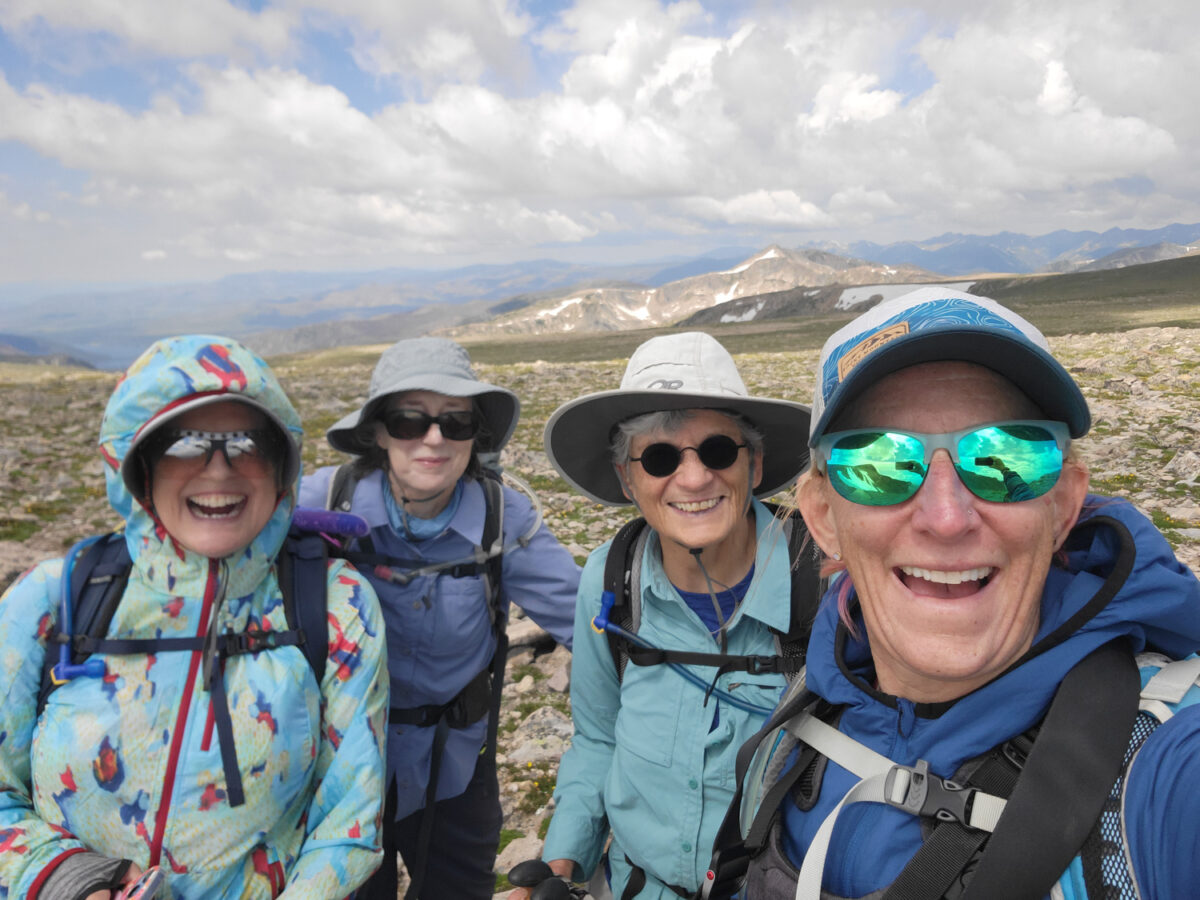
(643, 761)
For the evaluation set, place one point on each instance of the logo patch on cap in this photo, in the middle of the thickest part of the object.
(867, 346)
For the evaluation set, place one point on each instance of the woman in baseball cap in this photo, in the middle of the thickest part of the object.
(979, 634)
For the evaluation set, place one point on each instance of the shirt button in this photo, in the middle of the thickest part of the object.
(687, 848)
(693, 784)
(416, 604)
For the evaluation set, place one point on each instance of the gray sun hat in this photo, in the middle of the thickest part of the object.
(676, 371)
(430, 364)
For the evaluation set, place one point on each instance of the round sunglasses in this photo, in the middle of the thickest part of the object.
(719, 451)
(1002, 462)
(250, 453)
(409, 424)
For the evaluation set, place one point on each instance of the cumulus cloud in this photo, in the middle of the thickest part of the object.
(503, 131)
(423, 45)
(195, 28)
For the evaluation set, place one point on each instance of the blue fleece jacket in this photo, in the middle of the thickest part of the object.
(1085, 605)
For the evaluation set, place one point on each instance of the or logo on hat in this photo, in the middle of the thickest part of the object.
(864, 348)
(665, 384)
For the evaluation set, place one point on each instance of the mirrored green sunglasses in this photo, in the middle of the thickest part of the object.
(1002, 462)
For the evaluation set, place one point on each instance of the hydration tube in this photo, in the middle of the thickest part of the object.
(66, 670)
(601, 624)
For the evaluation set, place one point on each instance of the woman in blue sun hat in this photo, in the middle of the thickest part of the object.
(197, 737)
(424, 446)
(972, 694)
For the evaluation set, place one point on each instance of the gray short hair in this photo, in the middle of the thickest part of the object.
(669, 420)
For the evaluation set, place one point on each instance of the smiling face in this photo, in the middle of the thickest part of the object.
(694, 506)
(215, 510)
(423, 470)
(950, 585)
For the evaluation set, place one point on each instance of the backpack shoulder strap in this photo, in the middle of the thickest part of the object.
(621, 580)
(492, 542)
(807, 587)
(341, 488)
(96, 582)
(1078, 753)
(340, 498)
(302, 567)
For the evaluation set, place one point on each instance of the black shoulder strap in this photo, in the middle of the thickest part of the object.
(341, 488)
(493, 532)
(302, 567)
(618, 573)
(1078, 754)
(807, 587)
(97, 581)
(340, 498)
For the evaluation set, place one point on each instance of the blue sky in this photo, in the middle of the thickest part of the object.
(149, 141)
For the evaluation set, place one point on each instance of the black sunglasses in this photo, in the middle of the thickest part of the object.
(719, 451)
(409, 424)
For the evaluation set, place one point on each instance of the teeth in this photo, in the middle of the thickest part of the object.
(217, 506)
(948, 577)
(697, 505)
(215, 501)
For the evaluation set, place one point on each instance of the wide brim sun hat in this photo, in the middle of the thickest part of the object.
(679, 371)
(934, 324)
(429, 364)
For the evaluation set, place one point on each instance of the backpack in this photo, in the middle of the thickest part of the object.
(1077, 758)
(95, 573)
(622, 578)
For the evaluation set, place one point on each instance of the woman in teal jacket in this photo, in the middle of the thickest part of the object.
(652, 757)
(237, 775)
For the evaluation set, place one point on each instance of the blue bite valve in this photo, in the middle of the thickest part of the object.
(65, 671)
(600, 621)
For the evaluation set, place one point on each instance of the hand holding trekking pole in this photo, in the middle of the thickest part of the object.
(537, 880)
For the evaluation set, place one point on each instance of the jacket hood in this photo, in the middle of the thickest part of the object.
(1121, 580)
(180, 373)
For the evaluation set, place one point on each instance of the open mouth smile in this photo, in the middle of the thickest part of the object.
(945, 583)
(217, 506)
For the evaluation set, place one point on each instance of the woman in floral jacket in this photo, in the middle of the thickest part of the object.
(236, 773)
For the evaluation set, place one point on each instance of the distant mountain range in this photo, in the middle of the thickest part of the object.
(619, 308)
(1006, 252)
(278, 312)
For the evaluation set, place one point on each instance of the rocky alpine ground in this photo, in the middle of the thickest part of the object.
(1143, 387)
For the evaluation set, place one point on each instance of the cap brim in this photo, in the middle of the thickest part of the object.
(1035, 372)
(578, 436)
(131, 467)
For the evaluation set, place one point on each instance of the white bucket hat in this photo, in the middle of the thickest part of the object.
(677, 371)
(430, 364)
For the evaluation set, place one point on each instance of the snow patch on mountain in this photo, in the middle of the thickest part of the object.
(853, 296)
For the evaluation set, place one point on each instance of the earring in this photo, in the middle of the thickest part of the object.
(837, 556)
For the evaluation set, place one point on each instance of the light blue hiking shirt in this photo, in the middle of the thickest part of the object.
(643, 761)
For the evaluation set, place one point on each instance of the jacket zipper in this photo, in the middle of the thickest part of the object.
(160, 817)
